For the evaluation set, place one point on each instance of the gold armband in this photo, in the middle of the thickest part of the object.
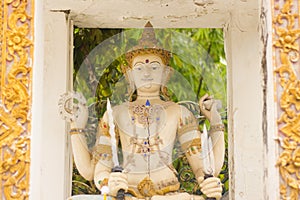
(102, 152)
(74, 131)
(217, 127)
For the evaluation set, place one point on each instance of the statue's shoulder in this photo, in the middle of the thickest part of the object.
(175, 109)
(123, 107)
(120, 106)
(178, 106)
(170, 104)
(170, 107)
(189, 108)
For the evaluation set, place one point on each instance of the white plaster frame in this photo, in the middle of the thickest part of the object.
(51, 168)
(252, 120)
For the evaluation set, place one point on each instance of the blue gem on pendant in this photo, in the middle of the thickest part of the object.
(147, 102)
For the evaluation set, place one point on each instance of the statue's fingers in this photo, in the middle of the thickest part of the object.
(217, 195)
(117, 182)
(208, 191)
(116, 185)
(208, 186)
(217, 105)
(210, 183)
(122, 181)
(122, 186)
(200, 179)
(118, 174)
(203, 106)
(208, 104)
(203, 98)
(210, 180)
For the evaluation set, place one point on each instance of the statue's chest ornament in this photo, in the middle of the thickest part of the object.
(146, 145)
(146, 141)
(147, 115)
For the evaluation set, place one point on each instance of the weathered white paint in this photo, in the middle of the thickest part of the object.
(37, 104)
(162, 13)
(271, 150)
(245, 107)
(253, 175)
(252, 148)
(51, 163)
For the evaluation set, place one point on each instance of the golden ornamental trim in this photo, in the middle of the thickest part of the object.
(286, 34)
(16, 34)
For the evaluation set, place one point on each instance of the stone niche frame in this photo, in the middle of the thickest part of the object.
(251, 108)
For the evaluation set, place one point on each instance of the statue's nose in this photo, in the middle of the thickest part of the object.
(147, 72)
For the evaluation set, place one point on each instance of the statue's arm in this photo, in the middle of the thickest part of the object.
(190, 141)
(218, 149)
(101, 174)
(208, 107)
(82, 156)
(81, 153)
(102, 154)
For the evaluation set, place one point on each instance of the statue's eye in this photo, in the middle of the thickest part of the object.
(138, 67)
(155, 66)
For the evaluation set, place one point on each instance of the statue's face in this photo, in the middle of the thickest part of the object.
(147, 71)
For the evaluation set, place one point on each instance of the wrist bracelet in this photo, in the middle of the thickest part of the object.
(77, 131)
(217, 127)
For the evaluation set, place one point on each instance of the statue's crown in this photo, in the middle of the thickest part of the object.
(148, 44)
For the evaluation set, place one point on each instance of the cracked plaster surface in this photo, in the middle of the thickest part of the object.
(162, 13)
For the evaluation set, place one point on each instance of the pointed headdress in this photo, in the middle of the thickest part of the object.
(148, 44)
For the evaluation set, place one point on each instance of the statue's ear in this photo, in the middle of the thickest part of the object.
(168, 71)
(129, 76)
(130, 79)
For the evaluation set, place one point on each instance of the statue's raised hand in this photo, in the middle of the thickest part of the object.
(73, 109)
(81, 119)
(116, 182)
(209, 108)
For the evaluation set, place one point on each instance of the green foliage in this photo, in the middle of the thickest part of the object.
(82, 186)
(103, 71)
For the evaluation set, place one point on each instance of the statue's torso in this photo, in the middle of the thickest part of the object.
(147, 135)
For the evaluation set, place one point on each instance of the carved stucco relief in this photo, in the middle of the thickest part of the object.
(16, 34)
(286, 33)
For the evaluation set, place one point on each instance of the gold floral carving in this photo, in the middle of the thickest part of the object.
(286, 34)
(16, 34)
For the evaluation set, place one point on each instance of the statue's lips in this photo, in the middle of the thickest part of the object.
(147, 79)
(148, 82)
